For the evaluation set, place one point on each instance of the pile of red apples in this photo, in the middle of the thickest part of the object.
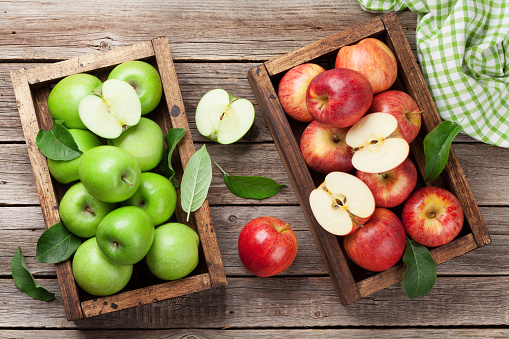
(358, 136)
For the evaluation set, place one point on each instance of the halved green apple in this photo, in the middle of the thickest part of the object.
(222, 117)
(110, 109)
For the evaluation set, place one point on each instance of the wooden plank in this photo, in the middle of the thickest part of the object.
(284, 303)
(391, 333)
(29, 121)
(199, 30)
(22, 226)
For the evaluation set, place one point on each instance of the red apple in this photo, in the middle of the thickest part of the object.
(339, 97)
(393, 187)
(378, 245)
(292, 90)
(403, 108)
(432, 216)
(373, 59)
(267, 246)
(324, 148)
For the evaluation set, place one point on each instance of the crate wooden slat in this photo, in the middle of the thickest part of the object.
(32, 87)
(350, 281)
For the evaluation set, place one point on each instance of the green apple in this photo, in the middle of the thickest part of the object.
(145, 142)
(80, 212)
(64, 98)
(145, 80)
(110, 109)
(222, 117)
(174, 252)
(97, 275)
(156, 195)
(67, 171)
(109, 173)
(125, 235)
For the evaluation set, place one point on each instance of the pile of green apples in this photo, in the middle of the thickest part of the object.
(116, 203)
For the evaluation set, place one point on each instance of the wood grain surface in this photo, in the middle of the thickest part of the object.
(214, 44)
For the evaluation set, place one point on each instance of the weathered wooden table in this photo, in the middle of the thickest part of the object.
(214, 44)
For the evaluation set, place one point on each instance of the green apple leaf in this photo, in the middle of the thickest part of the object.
(196, 181)
(25, 281)
(57, 143)
(56, 244)
(436, 147)
(251, 187)
(165, 167)
(421, 272)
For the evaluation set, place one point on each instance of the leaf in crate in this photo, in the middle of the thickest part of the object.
(165, 167)
(436, 147)
(25, 281)
(251, 187)
(57, 143)
(56, 244)
(421, 272)
(196, 181)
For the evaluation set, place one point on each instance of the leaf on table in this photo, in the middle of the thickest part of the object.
(421, 272)
(25, 281)
(165, 167)
(436, 147)
(56, 244)
(196, 181)
(57, 143)
(251, 187)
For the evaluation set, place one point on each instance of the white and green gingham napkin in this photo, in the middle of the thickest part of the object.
(463, 50)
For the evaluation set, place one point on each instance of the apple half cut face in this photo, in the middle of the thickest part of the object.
(222, 117)
(110, 109)
(377, 145)
(342, 203)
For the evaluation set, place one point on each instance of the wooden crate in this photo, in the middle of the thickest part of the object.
(32, 87)
(350, 281)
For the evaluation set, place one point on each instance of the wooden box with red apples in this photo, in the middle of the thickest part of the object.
(350, 280)
(32, 88)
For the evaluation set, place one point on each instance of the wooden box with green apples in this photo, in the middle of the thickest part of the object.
(349, 115)
(95, 129)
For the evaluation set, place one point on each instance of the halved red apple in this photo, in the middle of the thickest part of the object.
(377, 145)
(342, 203)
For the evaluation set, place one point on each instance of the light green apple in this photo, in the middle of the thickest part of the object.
(97, 275)
(67, 171)
(64, 98)
(80, 212)
(145, 141)
(156, 195)
(174, 252)
(222, 117)
(109, 173)
(125, 235)
(144, 78)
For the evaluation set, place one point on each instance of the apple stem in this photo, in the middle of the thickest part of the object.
(90, 210)
(126, 180)
(287, 225)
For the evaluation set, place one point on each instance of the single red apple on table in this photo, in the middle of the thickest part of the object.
(324, 148)
(267, 246)
(403, 108)
(293, 87)
(432, 216)
(339, 97)
(380, 244)
(373, 59)
(393, 187)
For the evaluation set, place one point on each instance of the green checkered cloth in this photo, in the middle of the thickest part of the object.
(463, 51)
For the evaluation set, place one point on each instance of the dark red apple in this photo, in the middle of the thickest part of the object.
(339, 97)
(432, 216)
(293, 87)
(393, 187)
(267, 246)
(378, 245)
(324, 148)
(403, 108)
